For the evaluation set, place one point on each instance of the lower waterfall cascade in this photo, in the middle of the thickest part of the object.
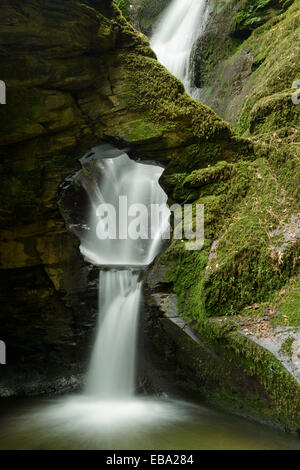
(112, 369)
(108, 414)
(109, 181)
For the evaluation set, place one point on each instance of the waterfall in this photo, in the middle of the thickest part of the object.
(112, 368)
(127, 189)
(175, 34)
(108, 409)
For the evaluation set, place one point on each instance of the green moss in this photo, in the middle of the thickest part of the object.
(286, 303)
(244, 268)
(255, 75)
(219, 172)
(186, 285)
(287, 347)
(161, 98)
(216, 44)
(148, 11)
(231, 370)
(140, 130)
(254, 13)
(124, 6)
(244, 203)
(276, 65)
(290, 308)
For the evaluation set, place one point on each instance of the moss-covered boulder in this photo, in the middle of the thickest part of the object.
(218, 362)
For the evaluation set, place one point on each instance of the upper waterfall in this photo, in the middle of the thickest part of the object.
(127, 191)
(175, 34)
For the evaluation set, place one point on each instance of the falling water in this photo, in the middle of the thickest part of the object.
(128, 187)
(175, 34)
(112, 369)
(123, 185)
(108, 415)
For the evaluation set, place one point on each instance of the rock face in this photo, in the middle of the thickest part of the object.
(79, 75)
(250, 47)
(246, 277)
(143, 13)
(217, 360)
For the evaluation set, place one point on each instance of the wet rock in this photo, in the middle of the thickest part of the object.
(77, 75)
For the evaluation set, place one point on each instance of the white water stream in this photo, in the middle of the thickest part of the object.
(112, 368)
(108, 415)
(175, 34)
(131, 189)
(108, 404)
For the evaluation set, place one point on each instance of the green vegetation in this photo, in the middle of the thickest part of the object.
(142, 13)
(276, 65)
(250, 191)
(124, 6)
(250, 200)
(242, 208)
(287, 346)
(255, 76)
(162, 100)
(287, 302)
(253, 14)
(233, 371)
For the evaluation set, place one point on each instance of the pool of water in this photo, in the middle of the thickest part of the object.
(82, 422)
